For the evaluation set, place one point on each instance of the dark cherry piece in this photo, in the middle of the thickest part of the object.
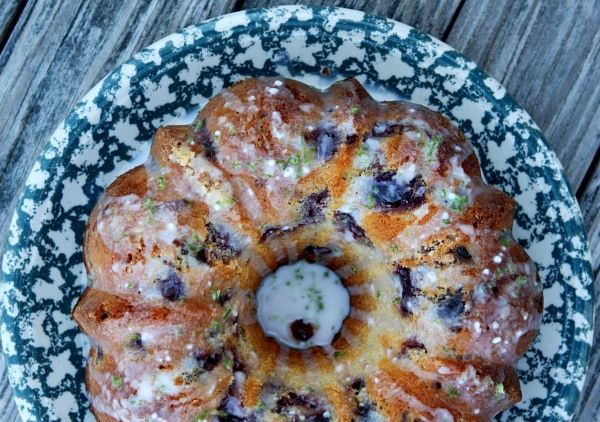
(451, 307)
(302, 331)
(409, 292)
(172, 288)
(347, 222)
(311, 210)
(463, 253)
(390, 194)
(327, 141)
(219, 245)
(208, 360)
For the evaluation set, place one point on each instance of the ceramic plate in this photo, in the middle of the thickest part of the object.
(112, 126)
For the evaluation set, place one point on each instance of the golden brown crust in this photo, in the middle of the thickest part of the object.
(387, 195)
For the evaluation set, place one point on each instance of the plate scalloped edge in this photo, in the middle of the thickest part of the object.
(42, 267)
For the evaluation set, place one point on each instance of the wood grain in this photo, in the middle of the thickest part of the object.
(9, 14)
(64, 64)
(7, 402)
(552, 72)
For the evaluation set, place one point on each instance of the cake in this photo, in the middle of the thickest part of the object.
(305, 254)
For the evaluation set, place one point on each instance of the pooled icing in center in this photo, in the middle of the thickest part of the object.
(302, 305)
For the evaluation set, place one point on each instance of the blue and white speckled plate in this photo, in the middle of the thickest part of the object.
(112, 126)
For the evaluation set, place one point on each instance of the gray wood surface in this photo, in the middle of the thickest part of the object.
(545, 52)
(9, 14)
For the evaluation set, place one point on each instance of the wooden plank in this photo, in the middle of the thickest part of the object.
(431, 16)
(80, 47)
(8, 407)
(547, 71)
(9, 14)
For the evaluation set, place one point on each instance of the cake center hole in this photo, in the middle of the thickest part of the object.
(302, 305)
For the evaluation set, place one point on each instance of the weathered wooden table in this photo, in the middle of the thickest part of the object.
(545, 52)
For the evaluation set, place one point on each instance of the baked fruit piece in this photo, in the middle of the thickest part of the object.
(434, 302)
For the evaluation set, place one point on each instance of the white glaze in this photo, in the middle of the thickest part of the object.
(302, 291)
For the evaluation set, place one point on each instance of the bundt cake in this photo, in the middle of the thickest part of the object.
(298, 254)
